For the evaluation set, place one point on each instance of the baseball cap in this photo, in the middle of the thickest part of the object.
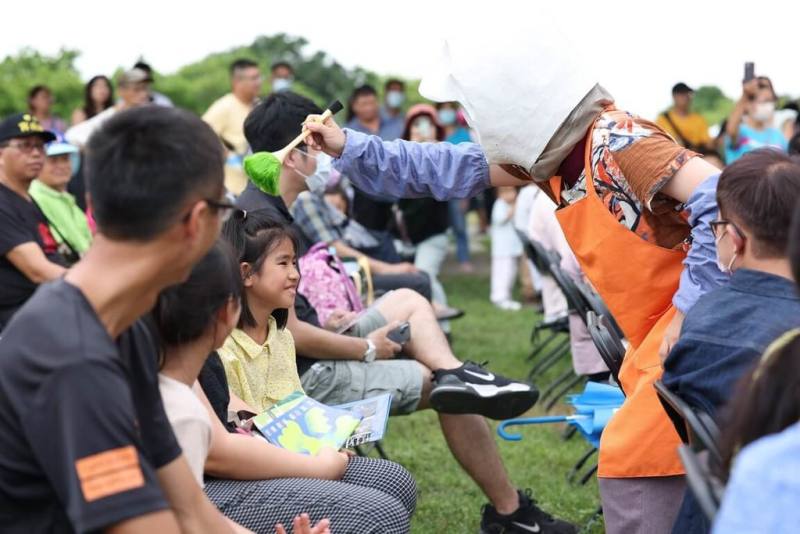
(59, 148)
(23, 125)
(133, 76)
(681, 88)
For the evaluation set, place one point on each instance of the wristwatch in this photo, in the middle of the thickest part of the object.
(371, 352)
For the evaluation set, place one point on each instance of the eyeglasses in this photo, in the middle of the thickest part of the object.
(224, 207)
(718, 227)
(27, 146)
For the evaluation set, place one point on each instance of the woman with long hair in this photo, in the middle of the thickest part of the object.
(98, 96)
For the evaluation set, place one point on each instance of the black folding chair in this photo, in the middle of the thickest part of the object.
(610, 347)
(707, 488)
(695, 427)
(595, 303)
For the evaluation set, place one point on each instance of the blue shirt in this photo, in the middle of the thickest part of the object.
(390, 128)
(750, 139)
(402, 169)
(764, 490)
(726, 332)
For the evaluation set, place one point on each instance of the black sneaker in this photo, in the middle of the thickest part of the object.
(472, 389)
(528, 518)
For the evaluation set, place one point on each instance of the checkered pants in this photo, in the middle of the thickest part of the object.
(374, 496)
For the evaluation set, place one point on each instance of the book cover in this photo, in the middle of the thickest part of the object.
(299, 423)
(374, 415)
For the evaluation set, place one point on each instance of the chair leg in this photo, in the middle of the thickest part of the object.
(553, 385)
(563, 391)
(381, 451)
(580, 463)
(569, 432)
(588, 475)
(552, 357)
(538, 346)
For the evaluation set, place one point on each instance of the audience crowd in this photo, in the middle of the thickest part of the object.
(153, 299)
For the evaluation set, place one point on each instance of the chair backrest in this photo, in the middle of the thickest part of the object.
(695, 427)
(611, 349)
(596, 304)
(706, 487)
(566, 284)
(536, 253)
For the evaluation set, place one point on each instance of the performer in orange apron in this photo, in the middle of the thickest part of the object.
(533, 109)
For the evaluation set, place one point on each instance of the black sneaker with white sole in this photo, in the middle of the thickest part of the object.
(473, 389)
(528, 518)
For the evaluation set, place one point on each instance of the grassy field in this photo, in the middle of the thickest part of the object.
(448, 500)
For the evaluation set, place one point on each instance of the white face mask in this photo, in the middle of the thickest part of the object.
(722, 267)
(424, 129)
(281, 84)
(317, 182)
(395, 99)
(764, 111)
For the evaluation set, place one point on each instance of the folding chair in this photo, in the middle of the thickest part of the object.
(610, 347)
(706, 487)
(695, 427)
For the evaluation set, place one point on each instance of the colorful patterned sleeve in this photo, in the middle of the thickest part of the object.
(651, 161)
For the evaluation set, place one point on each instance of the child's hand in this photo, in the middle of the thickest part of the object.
(302, 525)
(332, 464)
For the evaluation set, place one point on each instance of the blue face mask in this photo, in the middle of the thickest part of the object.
(395, 99)
(447, 116)
(281, 84)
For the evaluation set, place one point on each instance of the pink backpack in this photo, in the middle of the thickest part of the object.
(325, 283)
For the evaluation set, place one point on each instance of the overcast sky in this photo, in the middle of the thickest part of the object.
(649, 45)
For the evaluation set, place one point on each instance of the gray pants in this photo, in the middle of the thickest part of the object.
(641, 505)
(374, 496)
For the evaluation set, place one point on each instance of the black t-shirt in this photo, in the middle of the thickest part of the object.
(82, 426)
(252, 198)
(372, 213)
(21, 221)
(424, 218)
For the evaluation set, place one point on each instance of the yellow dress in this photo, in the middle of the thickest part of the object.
(261, 375)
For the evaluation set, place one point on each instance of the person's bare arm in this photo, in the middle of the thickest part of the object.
(376, 266)
(749, 90)
(29, 259)
(309, 339)
(264, 460)
(502, 177)
(162, 521)
(688, 177)
(192, 509)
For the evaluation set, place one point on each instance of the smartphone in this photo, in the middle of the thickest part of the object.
(400, 335)
(749, 71)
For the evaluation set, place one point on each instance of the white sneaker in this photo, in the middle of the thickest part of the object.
(509, 305)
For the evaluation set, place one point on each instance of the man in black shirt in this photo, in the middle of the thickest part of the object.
(85, 444)
(28, 252)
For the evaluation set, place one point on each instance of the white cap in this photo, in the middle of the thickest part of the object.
(517, 80)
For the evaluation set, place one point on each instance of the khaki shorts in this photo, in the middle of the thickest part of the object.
(335, 382)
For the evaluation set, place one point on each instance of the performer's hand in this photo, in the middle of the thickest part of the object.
(327, 136)
(671, 335)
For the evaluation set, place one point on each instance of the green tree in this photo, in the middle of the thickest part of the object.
(22, 71)
(712, 104)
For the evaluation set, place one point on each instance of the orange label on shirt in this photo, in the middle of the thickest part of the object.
(109, 472)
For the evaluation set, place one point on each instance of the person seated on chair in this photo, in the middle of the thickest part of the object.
(303, 179)
(730, 327)
(343, 369)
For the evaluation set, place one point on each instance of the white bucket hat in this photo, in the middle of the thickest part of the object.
(517, 81)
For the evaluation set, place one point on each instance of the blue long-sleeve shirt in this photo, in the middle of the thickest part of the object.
(403, 169)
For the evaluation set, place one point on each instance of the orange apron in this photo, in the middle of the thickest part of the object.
(637, 280)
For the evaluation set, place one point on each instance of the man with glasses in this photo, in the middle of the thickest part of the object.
(28, 251)
(226, 117)
(729, 328)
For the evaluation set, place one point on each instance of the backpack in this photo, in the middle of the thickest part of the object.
(325, 283)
